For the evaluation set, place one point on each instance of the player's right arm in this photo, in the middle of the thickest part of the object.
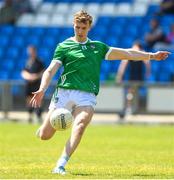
(48, 74)
(45, 81)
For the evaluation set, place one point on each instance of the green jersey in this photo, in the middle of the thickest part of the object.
(81, 64)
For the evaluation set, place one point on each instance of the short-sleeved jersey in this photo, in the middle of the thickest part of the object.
(81, 64)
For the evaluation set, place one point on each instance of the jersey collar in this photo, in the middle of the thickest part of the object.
(79, 42)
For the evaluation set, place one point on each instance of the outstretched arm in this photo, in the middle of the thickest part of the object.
(45, 81)
(131, 54)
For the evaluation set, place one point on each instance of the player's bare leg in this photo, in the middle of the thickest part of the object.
(82, 117)
(46, 131)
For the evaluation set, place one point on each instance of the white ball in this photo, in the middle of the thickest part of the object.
(61, 119)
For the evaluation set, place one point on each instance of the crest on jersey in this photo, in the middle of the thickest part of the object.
(84, 47)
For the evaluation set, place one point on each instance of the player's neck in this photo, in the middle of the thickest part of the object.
(79, 40)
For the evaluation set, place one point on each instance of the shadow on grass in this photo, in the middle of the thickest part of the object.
(82, 174)
(145, 175)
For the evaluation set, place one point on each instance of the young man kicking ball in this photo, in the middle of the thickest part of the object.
(78, 86)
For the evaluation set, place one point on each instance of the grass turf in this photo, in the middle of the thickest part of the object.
(117, 151)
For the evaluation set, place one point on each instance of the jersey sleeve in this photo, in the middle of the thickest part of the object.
(104, 49)
(59, 54)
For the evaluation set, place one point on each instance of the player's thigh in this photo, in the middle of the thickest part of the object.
(83, 115)
(46, 127)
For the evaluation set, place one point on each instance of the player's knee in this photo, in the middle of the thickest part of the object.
(44, 135)
(80, 128)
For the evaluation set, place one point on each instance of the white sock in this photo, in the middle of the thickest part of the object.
(62, 161)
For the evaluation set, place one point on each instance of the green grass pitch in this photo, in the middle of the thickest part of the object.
(106, 151)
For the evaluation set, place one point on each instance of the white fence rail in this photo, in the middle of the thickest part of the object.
(159, 98)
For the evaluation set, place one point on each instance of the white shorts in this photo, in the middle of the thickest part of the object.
(70, 99)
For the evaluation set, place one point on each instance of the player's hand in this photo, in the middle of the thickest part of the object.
(160, 55)
(37, 98)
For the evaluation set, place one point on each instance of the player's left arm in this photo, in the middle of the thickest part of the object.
(131, 54)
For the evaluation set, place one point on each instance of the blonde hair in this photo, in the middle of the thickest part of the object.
(83, 17)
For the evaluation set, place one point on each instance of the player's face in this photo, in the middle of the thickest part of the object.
(81, 30)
